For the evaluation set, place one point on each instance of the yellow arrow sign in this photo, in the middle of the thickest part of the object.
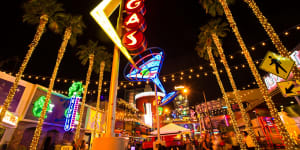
(101, 13)
(277, 65)
(289, 88)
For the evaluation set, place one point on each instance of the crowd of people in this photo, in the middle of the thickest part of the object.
(223, 141)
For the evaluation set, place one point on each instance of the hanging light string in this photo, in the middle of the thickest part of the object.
(272, 34)
(233, 119)
(273, 111)
(238, 99)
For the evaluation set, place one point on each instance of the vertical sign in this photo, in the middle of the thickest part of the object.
(71, 113)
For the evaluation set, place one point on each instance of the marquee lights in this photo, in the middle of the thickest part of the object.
(71, 113)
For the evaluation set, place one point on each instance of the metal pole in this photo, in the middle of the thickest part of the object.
(157, 116)
(111, 113)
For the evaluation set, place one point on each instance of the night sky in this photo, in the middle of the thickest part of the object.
(172, 25)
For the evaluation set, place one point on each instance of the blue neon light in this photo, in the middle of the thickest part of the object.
(149, 67)
(71, 113)
(168, 98)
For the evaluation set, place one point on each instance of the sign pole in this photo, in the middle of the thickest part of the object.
(157, 115)
(111, 111)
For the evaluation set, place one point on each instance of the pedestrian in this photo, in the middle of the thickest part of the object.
(248, 140)
(207, 145)
(82, 146)
(201, 140)
(234, 142)
(74, 145)
(188, 143)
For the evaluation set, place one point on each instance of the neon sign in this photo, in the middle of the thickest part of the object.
(168, 98)
(76, 88)
(71, 113)
(38, 107)
(135, 6)
(271, 79)
(135, 25)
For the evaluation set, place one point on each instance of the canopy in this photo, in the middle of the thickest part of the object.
(171, 128)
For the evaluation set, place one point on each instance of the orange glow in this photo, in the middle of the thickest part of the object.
(185, 90)
(133, 19)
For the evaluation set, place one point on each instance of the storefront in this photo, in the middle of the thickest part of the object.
(53, 133)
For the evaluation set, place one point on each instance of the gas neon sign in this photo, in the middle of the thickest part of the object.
(135, 25)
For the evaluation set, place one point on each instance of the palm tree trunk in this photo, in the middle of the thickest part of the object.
(102, 65)
(272, 34)
(87, 82)
(273, 111)
(62, 49)
(246, 117)
(232, 116)
(32, 46)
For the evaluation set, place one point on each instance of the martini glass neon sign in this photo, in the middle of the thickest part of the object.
(149, 65)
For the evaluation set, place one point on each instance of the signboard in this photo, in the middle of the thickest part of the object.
(9, 118)
(271, 79)
(289, 88)
(277, 65)
(71, 113)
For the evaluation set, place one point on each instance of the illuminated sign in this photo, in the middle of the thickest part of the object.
(100, 13)
(135, 21)
(38, 106)
(271, 79)
(148, 70)
(168, 98)
(160, 110)
(276, 64)
(137, 96)
(71, 113)
(135, 42)
(148, 115)
(135, 6)
(9, 118)
(76, 88)
(135, 25)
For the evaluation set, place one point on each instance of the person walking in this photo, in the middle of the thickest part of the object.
(82, 145)
(249, 142)
(207, 145)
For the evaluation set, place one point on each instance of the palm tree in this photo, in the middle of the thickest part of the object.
(272, 34)
(104, 59)
(273, 111)
(36, 12)
(89, 52)
(204, 49)
(245, 115)
(213, 8)
(74, 26)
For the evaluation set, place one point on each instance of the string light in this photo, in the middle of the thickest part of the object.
(230, 112)
(273, 111)
(238, 99)
(272, 34)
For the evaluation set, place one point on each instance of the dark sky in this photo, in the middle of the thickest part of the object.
(172, 25)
